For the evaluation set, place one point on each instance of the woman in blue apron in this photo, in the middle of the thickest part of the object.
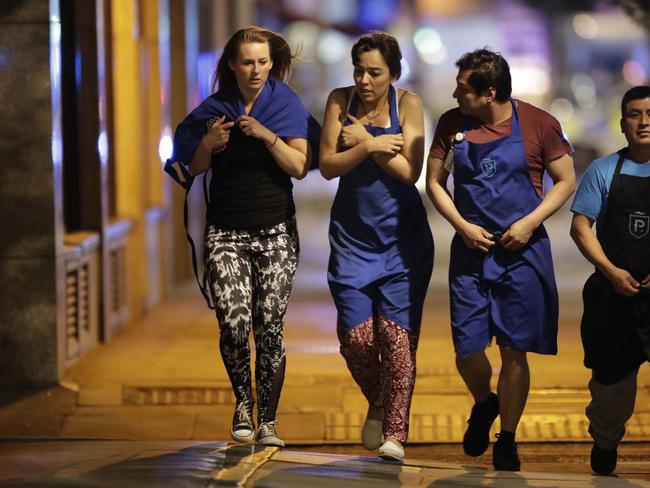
(615, 327)
(381, 245)
(501, 278)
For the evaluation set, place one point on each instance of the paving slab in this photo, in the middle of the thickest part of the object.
(193, 464)
(171, 358)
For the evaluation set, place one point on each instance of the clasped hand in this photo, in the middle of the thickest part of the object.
(355, 133)
(218, 134)
(517, 236)
(624, 283)
(476, 237)
(252, 128)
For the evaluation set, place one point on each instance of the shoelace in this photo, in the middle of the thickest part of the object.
(243, 417)
(268, 429)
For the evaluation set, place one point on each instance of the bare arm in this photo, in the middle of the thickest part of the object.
(474, 236)
(336, 161)
(333, 163)
(622, 281)
(201, 160)
(564, 184)
(292, 156)
(407, 165)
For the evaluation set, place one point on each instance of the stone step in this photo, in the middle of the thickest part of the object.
(336, 417)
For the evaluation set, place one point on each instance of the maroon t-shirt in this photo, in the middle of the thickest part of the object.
(543, 138)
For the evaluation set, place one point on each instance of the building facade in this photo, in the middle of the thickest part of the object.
(92, 231)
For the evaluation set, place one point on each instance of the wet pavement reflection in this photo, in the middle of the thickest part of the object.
(193, 464)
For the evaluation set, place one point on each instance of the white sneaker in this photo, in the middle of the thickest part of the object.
(391, 450)
(267, 435)
(371, 433)
(242, 428)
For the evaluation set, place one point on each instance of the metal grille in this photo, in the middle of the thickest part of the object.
(116, 292)
(177, 395)
(116, 282)
(72, 312)
(83, 289)
(77, 305)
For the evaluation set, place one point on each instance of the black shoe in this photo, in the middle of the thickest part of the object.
(505, 457)
(603, 461)
(242, 428)
(477, 435)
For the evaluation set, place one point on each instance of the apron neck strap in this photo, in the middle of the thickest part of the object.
(619, 163)
(515, 118)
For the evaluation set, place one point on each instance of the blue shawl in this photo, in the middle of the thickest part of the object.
(277, 107)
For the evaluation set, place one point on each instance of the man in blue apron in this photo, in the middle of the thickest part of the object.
(615, 329)
(501, 278)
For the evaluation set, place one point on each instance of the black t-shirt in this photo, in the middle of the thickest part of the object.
(248, 189)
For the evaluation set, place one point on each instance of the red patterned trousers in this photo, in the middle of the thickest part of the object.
(381, 357)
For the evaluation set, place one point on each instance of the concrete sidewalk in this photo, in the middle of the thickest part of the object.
(162, 380)
(188, 464)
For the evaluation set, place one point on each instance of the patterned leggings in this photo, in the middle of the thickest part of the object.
(250, 275)
(381, 357)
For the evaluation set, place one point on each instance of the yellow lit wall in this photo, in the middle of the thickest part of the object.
(154, 97)
(132, 135)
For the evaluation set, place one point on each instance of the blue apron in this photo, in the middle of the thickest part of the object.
(381, 245)
(508, 294)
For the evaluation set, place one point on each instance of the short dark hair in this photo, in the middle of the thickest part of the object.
(635, 93)
(387, 46)
(489, 69)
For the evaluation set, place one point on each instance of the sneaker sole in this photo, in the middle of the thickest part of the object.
(271, 444)
(240, 438)
(391, 457)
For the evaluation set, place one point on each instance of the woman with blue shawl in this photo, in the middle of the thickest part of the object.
(381, 246)
(255, 135)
